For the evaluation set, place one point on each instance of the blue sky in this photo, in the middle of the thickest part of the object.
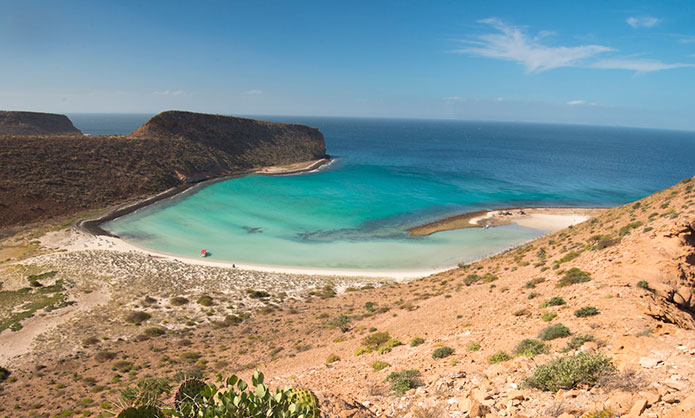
(590, 62)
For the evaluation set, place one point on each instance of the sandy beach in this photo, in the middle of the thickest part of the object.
(545, 219)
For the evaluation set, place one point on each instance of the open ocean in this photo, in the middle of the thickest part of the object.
(391, 174)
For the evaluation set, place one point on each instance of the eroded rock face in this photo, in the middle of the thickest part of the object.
(251, 142)
(32, 123)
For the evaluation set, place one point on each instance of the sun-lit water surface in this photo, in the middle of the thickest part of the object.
(393, 174)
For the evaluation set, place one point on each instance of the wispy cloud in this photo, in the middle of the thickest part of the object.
(687, 40)
(451, 98)
(639, 65)
(642, 21)
(252, 92)
(511, 43)
(576, 102)
(168, 93)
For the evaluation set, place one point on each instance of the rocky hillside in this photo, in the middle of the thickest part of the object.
(48, 176)
(597, 320)
(32, 123)
(250, 142)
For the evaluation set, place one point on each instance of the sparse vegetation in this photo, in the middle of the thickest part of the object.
(442, 352)
(416, 341)
(473, 346)
(499, 357)
(570, 372)
(573, 276)
(403, 381)
(379, 365)
(137, 317)
(586, 311)
(530, 348)
(554, 332)
(554, 301)
(548, 316)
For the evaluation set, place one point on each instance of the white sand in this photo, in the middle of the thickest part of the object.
(73, 240)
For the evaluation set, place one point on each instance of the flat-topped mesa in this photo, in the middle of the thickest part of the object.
(33, 123)
(252, 143)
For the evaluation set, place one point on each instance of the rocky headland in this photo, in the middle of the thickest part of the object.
(34, 123)
(51, 175)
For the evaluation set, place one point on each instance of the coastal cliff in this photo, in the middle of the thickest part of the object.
(45, 176)
(33, 123)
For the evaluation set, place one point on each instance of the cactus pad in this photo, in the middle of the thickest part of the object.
(308, 400)
(141, 412)
(188, 397)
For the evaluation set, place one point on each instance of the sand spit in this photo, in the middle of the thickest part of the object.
(545, 219)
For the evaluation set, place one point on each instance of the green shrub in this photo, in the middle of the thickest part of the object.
(473, 347)
(155, 331)
(569, 257)
(257, 294)
(90, 341)
(442, 352)
(388, 345)
(373, 341)
(4, 374)
(570, 372)
(341, 322)
(643, 284)
(416, 341)
(103, 356)
(586, 311)
(548, 316)
(205, 300)
(332, 359)
(403, 381)
(599, 413)
(599, 242)
(553, 332)
(533, 295)
(499, 357)
(379, 365)
(573, 276)
(530, 348)
(554, 301)
(137, 317)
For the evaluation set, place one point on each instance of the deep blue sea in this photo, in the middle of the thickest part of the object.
(391, 174)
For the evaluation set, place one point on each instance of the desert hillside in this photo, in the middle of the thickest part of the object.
(595, 319)
(33, 123)
(47, 176)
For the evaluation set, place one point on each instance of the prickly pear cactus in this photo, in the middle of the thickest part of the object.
(188, 397)
(140, 412)
(308, 400)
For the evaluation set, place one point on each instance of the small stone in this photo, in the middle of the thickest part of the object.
(516, 395)
(669, 398)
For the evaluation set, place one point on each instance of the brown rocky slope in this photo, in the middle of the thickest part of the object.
(630, 299)
(55, 175)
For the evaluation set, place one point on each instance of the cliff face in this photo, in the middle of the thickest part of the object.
(32, 123)
(55, 175)
(249, 142)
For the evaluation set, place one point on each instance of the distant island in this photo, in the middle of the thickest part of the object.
(50, 169)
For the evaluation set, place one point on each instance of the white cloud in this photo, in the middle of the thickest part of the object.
(639, 65)
(576, 102)
(252, 92)
(642, 21)
(511, 43)
(451, 98)
(168, 93)
(687, 40)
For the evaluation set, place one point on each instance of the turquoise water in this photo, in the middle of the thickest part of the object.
(393, 174)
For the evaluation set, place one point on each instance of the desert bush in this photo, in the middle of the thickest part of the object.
(373, 341)
(258, 294)
(389, 345)
(599, 413)
(205, 300)
(599, 242)
(530, 348)
(554, 301)
(178, 301)
(416, 341)
(643, 284)
(569, 257)
(442, 352)
(332, 359)
(574, 276)
(342, 322)
(379, 365)
(137, 317)
(89, 341)
(155, 331)
(499, 357)
(570, 372)
(403, 381)
(473, 347)
(586, 311)
(548, 316)
(533, 295)
(553, 332)
(4, 374)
